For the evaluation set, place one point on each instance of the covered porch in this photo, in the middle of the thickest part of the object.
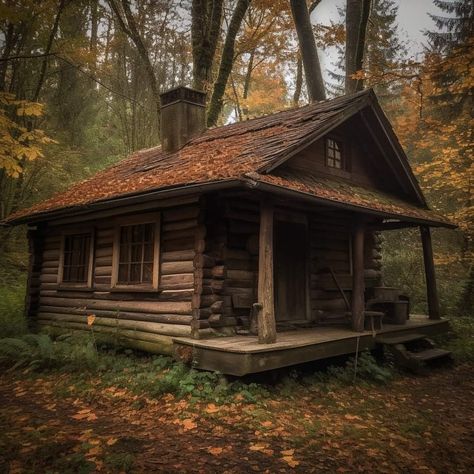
(297, 265)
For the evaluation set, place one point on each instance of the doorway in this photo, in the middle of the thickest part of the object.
(290, 271)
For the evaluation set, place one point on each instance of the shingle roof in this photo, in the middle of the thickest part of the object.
(223, 153)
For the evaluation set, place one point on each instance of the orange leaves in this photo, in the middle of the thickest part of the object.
(287, 457)
(215, 451)
(211, 408)
(85, 414)
(90, 319)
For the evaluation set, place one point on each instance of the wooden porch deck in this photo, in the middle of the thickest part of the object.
(241, 355)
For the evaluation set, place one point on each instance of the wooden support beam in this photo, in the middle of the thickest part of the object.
(358, 285)
(431, 290)
(266, 309)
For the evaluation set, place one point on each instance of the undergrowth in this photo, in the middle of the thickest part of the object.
(154, 376)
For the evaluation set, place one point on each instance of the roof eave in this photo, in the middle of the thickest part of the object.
(290, 193)
(122, 200)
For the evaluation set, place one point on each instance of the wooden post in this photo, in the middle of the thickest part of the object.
(358, 284)
(266, 308)
(431, 291)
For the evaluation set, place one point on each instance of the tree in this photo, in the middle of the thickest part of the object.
(206, 19)
(357, 16)
(309, 54)
(227, 60)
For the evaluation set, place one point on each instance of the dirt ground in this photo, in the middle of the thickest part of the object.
(413, 424)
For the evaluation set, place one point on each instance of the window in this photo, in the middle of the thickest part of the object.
(334, 157)
(76, 259)
(136, 254)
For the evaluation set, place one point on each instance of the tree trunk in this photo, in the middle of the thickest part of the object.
(357, 17)
(206, 17)
(431, 290)
(312, 68)
(129, 27)
(44, 64)
(299, 81)
(227, 61)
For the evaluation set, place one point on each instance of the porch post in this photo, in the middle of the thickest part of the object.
(431, 290)
(266, 313)
(358, 284)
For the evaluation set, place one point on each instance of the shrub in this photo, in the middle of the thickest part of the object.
(12, 320)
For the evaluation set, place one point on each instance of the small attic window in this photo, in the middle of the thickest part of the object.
(334, 153)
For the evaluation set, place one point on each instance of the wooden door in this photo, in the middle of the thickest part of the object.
(290, 271)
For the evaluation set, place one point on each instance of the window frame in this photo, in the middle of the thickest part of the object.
(152, 218)
(90, 264)
(342, 150)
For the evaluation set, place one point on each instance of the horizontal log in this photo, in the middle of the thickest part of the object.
(187, 224)
(177, 282)
(48, 271)
(235, 254)
(103, 252)
(179, 214)
(50, 264)
(103, 271)
(167, 307)
(103, 261)
(177, 256)
(155, 318)
(50, 255)
(148, 342)
(146, 326)
(240, 275)
(250, 264)
(234, 284)
(45, 278)
(178, 244)
(178, 235)
(170, 268)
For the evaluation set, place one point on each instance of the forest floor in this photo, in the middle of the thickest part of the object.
(410, 425)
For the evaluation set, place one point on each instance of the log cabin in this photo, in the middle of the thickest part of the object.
(241, 248)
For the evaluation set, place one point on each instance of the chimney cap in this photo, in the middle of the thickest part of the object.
(183, 94)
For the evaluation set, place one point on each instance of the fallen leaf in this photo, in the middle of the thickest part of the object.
(352, 417)
(188, 424)
(290, 461)
(111, 441)
(258, 447)
(215, 451)
(288, 452)
(90, 319)
(266, 423)
(211, 408)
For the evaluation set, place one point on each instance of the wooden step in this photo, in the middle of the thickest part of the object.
(391, 341)
(430, 354)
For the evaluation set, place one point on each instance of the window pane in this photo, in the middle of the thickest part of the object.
(136, 254)
(76, 258)
(147, 272)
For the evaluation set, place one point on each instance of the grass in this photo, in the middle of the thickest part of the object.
(12, 300)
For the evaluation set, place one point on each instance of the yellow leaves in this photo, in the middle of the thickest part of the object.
(30, 109)
(90, 319)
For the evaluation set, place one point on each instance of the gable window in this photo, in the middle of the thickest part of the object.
(136, 252)
(76, 259)
(334, 153)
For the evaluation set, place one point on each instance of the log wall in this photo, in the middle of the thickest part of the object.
(331, 247)
(137, 318)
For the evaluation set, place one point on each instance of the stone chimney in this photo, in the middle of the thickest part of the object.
(183, 116)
